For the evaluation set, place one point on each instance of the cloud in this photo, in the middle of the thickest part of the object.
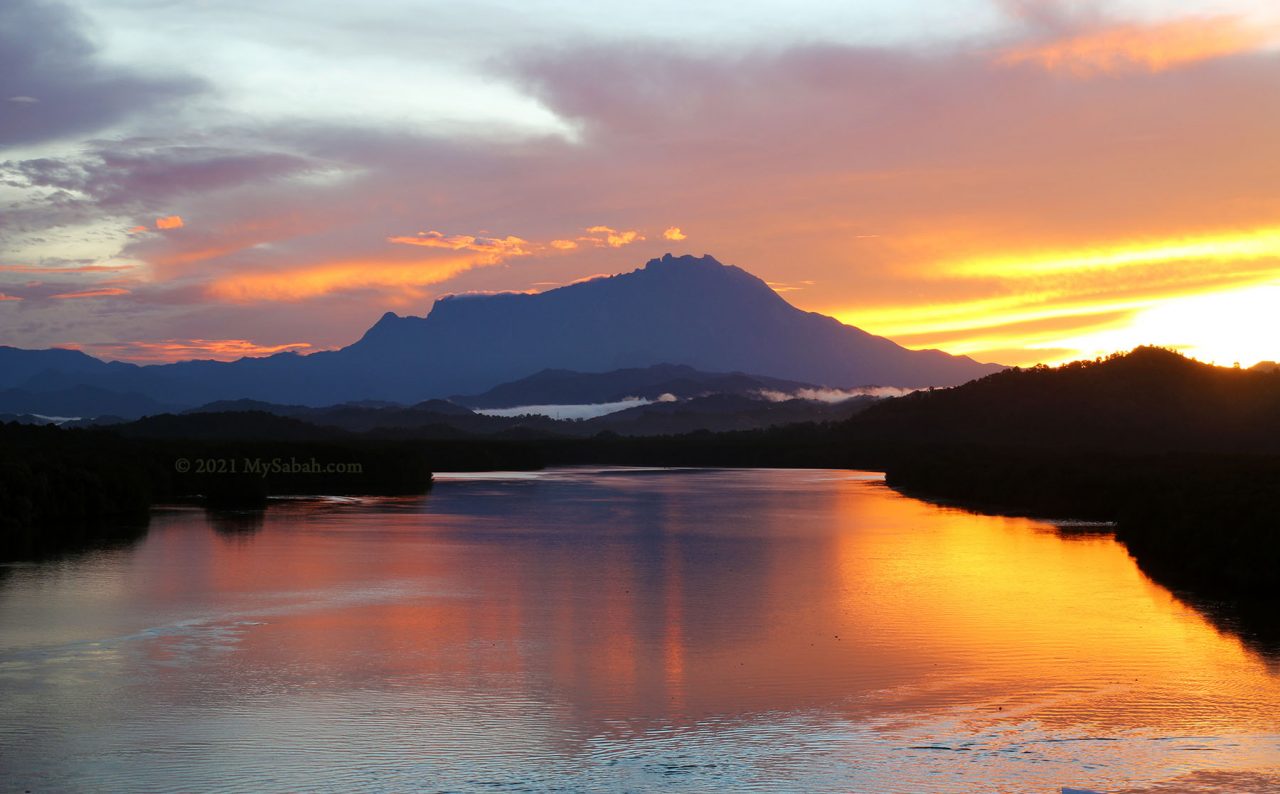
(674, 233)
(4, 297)
(563, 245)
(832, 395)
(166, 350)
(145, 173)
(603, 235)
(312, 281)
(56, 84)
(577, 411)
(169, 222)
(407, 276)
(55, 270)
(1153, 47)
(785, 286)
(104, 292)
(493, 247)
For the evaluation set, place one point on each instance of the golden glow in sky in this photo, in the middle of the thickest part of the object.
(1236, 326)
(1214, 297)
(1262, 244)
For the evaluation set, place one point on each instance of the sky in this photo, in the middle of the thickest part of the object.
(1020, 181)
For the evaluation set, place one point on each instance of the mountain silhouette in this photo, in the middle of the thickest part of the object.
(681, 310)
(691, 311)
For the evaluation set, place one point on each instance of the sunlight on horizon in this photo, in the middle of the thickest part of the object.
(1227, 327)
(1211, 297)
(1233, 327)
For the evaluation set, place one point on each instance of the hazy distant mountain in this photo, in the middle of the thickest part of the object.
(19, 367)
(681, 310)
(79, 401)
(566, 387)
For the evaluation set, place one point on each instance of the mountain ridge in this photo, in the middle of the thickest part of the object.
(686, 310)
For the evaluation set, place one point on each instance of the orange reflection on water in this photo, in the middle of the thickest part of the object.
(577, 610)
(835, 594)
(1058, 627)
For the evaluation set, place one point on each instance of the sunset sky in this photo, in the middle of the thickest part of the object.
(1015, 180)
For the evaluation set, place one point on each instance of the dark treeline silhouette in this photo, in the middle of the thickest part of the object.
(1147, 401)
(62, 489)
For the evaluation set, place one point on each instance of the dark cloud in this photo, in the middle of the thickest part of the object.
(137, 178)
(52, 84)
(147, 172)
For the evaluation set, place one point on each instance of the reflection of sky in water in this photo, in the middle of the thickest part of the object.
(695, 630)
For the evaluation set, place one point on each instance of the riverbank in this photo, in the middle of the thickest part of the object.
(66, 489)
(1203, 522)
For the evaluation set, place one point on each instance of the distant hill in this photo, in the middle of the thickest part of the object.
(723, 413)
(566, 387)
(687, 311)
(19, 367)
(79, 401)
(1150, 400)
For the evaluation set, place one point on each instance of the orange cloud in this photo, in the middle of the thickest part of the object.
(4, 297)
(1152, 48)
(170, 222)
(501, 247)
(787, 286)
(360, 274)
(105, 292)
(674, 233)
(612, 237)
(184, 349)
(495, 249)
(406, 277)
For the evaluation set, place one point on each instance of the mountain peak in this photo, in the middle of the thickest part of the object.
(686, 260)
(385, 326)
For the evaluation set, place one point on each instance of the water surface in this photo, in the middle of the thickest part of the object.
(637, 630)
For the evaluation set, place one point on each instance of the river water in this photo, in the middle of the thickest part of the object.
(622, 630)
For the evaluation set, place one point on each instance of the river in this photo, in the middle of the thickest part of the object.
(626, 629)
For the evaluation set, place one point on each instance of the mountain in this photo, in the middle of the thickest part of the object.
(18, 367)
(566, 387)
(682, 310)
(80, 401)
